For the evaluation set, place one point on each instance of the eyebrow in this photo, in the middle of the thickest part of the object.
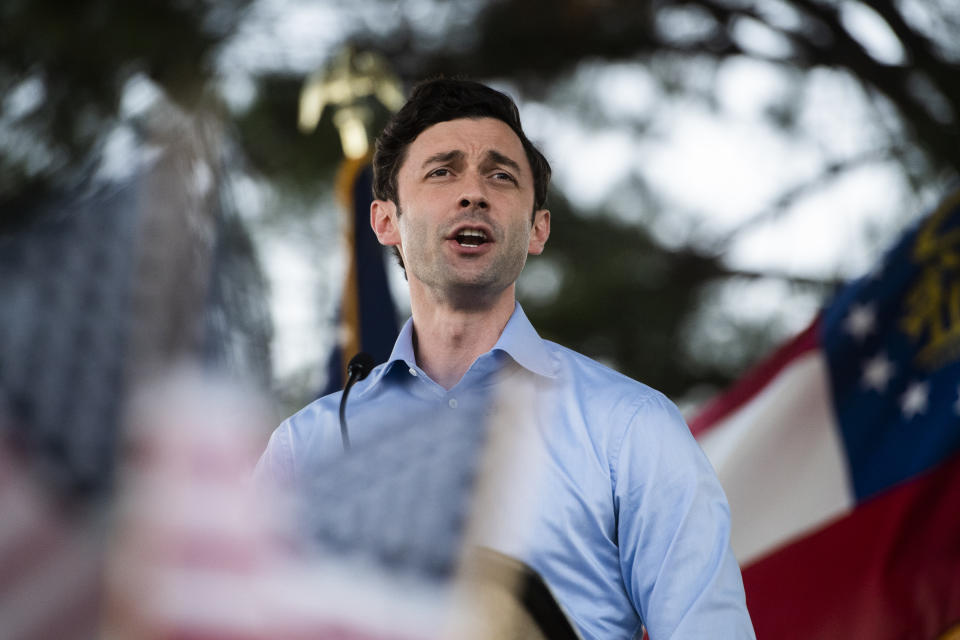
(443, 157)
(493, 157)
(499, 158)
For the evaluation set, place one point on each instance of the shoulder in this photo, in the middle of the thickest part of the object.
(608, 387)
(628, 417)
(302, 436)
(312, 416)
(313, 432)
(326, 408)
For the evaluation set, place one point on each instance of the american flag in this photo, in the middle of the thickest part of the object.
(50, 558)
(102, 283)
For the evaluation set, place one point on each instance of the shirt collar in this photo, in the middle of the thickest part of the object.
(402, 353)
(519, 340)
(403, 347)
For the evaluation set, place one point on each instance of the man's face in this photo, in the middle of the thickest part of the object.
(463, 221)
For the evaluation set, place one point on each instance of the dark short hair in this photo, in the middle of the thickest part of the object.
(440, 100)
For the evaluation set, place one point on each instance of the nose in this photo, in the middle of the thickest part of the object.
(473, 195)
(478, 202)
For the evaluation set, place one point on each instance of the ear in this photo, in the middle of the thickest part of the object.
(540, 232)
(383, 220)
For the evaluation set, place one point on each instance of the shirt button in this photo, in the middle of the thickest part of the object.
(413, 372)
(453, 403)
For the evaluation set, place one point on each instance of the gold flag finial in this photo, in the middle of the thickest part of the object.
(343, 85)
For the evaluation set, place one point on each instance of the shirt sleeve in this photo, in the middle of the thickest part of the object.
(673, 530)
(275, 467)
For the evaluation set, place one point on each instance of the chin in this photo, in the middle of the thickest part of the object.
(474, 295)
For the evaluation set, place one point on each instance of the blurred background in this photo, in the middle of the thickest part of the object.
(720, 167)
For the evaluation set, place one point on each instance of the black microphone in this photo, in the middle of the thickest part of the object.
(360, 365)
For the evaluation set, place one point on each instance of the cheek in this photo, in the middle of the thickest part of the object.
(519, 239)
(412, 229)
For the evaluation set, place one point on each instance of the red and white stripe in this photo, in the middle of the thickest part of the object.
(776, 447)
(816, 564)
(50, 560)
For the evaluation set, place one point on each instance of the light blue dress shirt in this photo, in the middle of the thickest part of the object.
(629, 525)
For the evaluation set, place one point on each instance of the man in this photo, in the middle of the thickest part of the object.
(630, 525)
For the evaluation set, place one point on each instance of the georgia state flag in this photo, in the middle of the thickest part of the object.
(840, 456)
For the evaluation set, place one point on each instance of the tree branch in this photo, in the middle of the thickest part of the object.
(830, 173)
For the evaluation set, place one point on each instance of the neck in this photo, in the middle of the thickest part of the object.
(447, 338)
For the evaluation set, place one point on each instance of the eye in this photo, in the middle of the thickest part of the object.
(504, 176)
(439, 172)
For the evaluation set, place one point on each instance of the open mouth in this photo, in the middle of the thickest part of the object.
(471, 237)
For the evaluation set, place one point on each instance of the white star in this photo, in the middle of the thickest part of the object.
(914, 401)
(860, 321)
(877, 372)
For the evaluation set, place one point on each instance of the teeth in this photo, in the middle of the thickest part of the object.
(471, 237)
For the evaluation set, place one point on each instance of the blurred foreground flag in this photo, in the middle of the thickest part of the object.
(840, 456)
